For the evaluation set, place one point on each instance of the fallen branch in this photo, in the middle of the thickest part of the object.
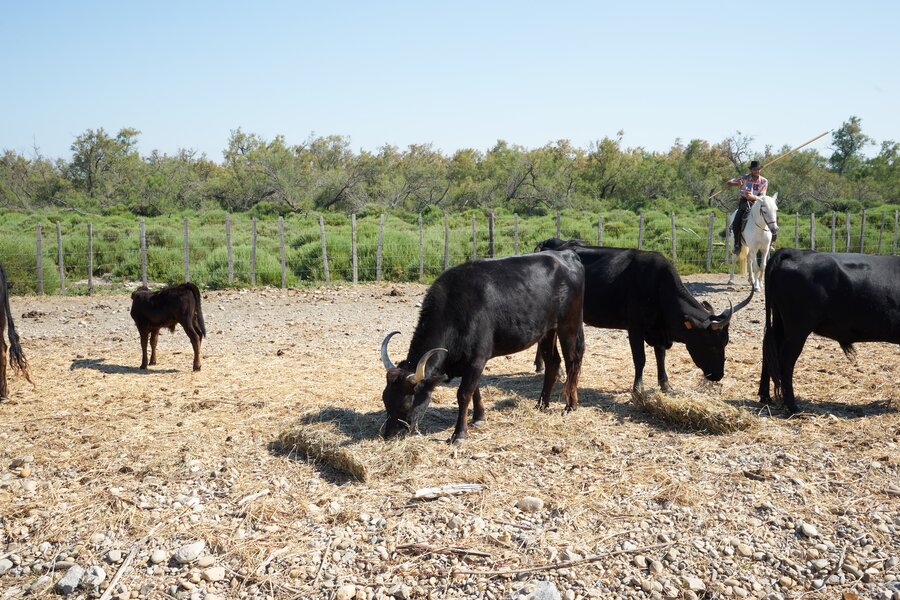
(442, 550)
(252, 497)
(447, 490)
(107, 594)
(560, 565)
(262, 568)
(322, 563)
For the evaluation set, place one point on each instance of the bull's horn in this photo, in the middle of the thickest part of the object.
(420, 368)
(384, 353)
(740, 305)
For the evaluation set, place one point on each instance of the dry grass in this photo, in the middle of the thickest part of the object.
(695, 410)
(108, 441)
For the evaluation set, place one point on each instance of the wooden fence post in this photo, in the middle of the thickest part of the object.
(379, 250)
(491, 235)
(833, 225)
(641, 232)
(515, 233)
(228, 244)
(143, 253)
(187, 273)
(324, 251)
(896, 224)
(674, 245)
(421, 250)
(446, 242)
(881, 232)
(862, 233)
(253, 251)
(474, 239)
(812, 231)
(558, 226)
(90, 259)
(59, 257)
(281, 252)
(353, 256)
(847, 222)
(709, 240)
(599, 230)
(40, 260)
(797, 230)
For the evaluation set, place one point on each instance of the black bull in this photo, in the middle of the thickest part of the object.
(479, 310)
(642, 293)
(845, 297)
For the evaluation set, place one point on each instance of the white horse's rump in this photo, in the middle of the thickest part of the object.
(757, 237)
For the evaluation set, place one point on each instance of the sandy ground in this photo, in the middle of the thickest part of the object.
(116, 451)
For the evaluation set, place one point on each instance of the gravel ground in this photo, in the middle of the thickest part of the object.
(173, 480)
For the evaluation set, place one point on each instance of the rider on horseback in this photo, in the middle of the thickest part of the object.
(752, 186)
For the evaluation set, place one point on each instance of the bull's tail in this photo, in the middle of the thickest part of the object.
(199, 314)
(16, 357)
(774, 332)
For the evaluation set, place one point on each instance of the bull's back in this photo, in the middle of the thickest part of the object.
(509, 303)
(845, 297)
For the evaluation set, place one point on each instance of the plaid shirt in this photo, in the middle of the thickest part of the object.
(757, 188)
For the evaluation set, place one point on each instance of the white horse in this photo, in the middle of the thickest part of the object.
(756, 236)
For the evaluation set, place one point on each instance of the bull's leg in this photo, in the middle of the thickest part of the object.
(788, 355)
(467, 388)
(548, 350)
(639, 356)
(195, 342)
(154, 338)
(477, 408)
(4, 390)
(145, 336)
(661, 376)
(538, 360)
(572, 344)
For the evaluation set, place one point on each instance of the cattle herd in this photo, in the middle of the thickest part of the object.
(487, 308)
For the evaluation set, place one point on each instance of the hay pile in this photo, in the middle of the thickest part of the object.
(350, 442)
(695, 411)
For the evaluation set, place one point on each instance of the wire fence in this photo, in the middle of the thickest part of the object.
(242, 251)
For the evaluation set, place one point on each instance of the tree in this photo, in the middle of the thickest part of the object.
(848, 142)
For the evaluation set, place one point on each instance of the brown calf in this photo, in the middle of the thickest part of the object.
(16, 357)
(177, 305)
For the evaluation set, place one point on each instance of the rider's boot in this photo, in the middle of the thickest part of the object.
(736, 227)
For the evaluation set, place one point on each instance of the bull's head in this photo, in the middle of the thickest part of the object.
(706, 339)
(407, 393)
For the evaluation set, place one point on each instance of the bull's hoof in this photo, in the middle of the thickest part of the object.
(570, 409)
(143, 367)
(543, 407)
(152, 363)
(539, 369)
(766, 400)
(477, 424)
(667, 389)
(457, 440)
(196, 369)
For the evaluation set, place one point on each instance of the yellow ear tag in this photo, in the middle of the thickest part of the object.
(688, 325)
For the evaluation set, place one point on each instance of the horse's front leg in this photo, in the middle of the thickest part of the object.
(763, 258)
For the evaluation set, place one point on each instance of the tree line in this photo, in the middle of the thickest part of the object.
(107, 174)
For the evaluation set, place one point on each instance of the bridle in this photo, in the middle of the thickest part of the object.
(768, 223)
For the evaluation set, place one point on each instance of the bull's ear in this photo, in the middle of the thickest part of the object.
(429, 383)
(692, 323)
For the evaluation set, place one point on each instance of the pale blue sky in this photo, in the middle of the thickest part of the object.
(454, 74)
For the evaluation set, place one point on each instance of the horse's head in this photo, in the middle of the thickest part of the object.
(768, 210)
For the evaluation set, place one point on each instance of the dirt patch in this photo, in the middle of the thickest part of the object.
(114, 454)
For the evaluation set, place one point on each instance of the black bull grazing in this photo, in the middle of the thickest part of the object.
(845, 297)
(642, 293)
(16, 357)
(479, 310)
(177, 305)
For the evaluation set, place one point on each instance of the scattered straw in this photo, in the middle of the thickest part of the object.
(695, 411)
